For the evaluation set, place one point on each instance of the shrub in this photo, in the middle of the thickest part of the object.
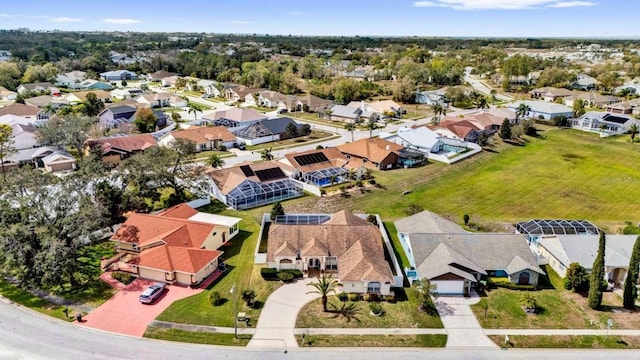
(222, 148)
(372, 219)
(389, 298)
(297, 274)
(359, 183)
(376, 308)
(215, 299)
(123, 277)
(354, 297)
(372, 182)
(343, 296)
(366, 297)
(285, 276)
(269, 273)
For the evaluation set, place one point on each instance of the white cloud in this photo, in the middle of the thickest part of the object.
(9, 15)
(38, 16)
(566, 4)
(64, 19)
(500, 4)
(295, 13)
(242, 22)
(122, 21)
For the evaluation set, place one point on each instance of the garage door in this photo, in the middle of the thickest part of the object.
(449, 287)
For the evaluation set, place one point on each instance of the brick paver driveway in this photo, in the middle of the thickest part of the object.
(124, 314)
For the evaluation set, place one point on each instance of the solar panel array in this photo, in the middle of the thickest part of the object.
(309, 159)
(246, 170)
(270, 174)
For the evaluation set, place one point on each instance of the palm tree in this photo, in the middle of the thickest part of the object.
(48, 110)
(633, 129)
(371, 125)
(195, 110)
(266, 154)
(350, 128)
(522, 111)
(482, 103)
(603, 127)
(216, 161)
(324, 286)
(437, 111)
(248, 295)
(493, 95)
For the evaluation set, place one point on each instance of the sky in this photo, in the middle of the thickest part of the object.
(457, 18)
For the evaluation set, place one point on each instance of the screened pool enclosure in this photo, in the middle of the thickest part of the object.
(251, 194)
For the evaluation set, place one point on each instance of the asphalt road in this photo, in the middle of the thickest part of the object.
(25, 334)
(480, 87)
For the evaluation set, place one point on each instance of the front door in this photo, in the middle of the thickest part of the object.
(314, 263)
(523, 279)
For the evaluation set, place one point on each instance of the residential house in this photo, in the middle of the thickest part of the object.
(178, 245)
(455, 260)
(159, 75)
(6, 94)
(22, 113)
(113, 116)
(205, 137)
(122, 94)
(5, 55)
(320, 167)
(71, 79)
(551, 94)
(237, 93)
(591, 99)
(542, 110)
(266, 130)
(40, 87)
(170, 81)
(604, 123)
(584, 82)
(162, 100)
(250, 185)
(233, 118)
(24, 136)
(91, 84)
(625, 107)
(117, 148)
(311, 103)
(432, 97)
(274, 99)
(343, 244)
(45, 101)
(209, 87)
(347, 114)
(427, 142)
(119, 75)
(562, 250)
(491, 119)
(48, 158)
(81, 96)
(632, 87)
(383, 108)
(468, 130)
(373, 153)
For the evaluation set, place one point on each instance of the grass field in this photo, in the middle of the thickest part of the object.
(196, 337)
(563, 174)
(372, 340)
(38, 304)
(569, 342)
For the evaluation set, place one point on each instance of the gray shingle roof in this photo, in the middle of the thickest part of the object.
(427, 222)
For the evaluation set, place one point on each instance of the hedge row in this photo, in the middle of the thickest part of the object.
(272, 273)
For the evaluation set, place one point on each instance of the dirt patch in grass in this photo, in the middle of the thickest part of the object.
(611, 309)
(372, 340)
(568, 342)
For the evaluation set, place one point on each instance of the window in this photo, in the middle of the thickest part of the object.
(331, 263)
(373, 287)
(203, 146)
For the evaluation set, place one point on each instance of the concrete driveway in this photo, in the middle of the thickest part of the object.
(462, 327)
(124, 314)
(278, 317)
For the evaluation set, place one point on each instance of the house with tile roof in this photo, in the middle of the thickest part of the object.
(249, 185)
(179, 245)
(320, 167)
(233, 118)
(342, 244)
(117, 148)
(456, 260)
(205, 137)
(377, 153)
(604, 123)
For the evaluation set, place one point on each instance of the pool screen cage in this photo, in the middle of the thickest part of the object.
(251, 194)
(557, 227)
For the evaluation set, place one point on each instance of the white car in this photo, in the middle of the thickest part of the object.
(152, 293)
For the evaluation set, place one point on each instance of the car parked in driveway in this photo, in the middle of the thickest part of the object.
(152, 293)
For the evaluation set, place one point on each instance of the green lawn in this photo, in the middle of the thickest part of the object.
(25, 298)
(566, 342)
(196, 337)
(404, 313)
(315, 136)
(372, 340)
(238, 254)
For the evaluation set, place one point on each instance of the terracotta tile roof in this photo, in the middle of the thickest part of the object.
(19, 110)
(354, 241)
(180, 211)
(460, 127)
(487, 119)
(374, 149)
(176, 258)
(124, 143)
(204, 134)
(147, 229)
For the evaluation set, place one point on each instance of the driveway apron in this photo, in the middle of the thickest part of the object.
(462, 327)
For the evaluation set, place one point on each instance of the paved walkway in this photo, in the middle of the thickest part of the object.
(462, 327)
(577, 332)
(277, 321)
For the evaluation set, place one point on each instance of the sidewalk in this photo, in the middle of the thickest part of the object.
(550, 332)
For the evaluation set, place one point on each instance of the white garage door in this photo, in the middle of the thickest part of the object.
(449, 287)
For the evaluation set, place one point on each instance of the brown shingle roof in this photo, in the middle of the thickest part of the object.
(100, 94)
(333, 155)
(354, 241)
(227, 179)
(125, 143)
(374, 149)
(204, 134)
(236, 114)
(19, 110)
